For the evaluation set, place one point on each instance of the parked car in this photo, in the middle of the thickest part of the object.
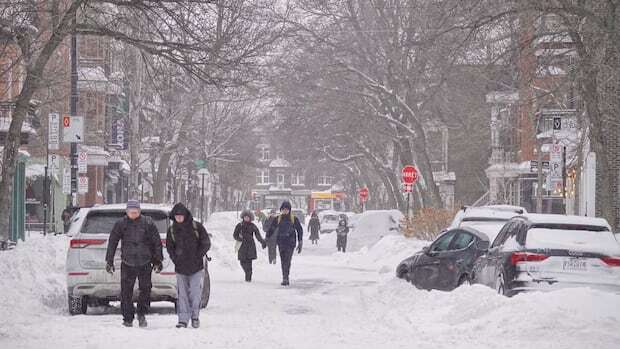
(537, 252)
(487, 219)
(447, 263)
(329, 221)
(87, 281)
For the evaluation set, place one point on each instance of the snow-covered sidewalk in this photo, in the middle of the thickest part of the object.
(335, 301)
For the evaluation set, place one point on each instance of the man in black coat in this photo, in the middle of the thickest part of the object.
(141, 253)
(187, 243)
(289, 233)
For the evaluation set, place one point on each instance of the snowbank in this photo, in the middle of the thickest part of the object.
(476, 317)
(32, 278)
(221, 226)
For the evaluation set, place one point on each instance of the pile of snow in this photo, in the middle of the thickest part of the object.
(476, 317)
(387, 253)
(370, 226)
(221, 226)
(32, 278)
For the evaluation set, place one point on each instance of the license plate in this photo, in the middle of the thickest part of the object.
(574, 264)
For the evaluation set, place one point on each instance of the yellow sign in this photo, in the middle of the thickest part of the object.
(322, 195)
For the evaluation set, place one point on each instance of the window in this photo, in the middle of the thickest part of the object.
(297, 178)
(262, 177)
(503, 234)
(280, 180)
(462, 241)
(325, 180)
(443, 242)
(263, 152)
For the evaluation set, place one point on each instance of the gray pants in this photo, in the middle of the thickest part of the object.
(189, 294)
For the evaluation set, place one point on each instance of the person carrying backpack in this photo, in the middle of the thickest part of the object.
(187, 243)
(342, 231)
(289, 233)
(245, 232)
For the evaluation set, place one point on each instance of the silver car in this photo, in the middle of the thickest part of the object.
(87, 281)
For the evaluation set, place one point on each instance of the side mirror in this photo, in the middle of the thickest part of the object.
(426, 249)
(483, 245)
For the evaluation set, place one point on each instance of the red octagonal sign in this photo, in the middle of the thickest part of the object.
(363, 192)
(409, 174)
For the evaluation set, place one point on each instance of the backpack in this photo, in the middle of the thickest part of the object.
(195, 229)
(292, 230)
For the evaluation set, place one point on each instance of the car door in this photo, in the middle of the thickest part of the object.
(457, 260)
(427, 269)
(496, 253)
(484, 269)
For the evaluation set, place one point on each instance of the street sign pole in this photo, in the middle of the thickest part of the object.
(202, 198)
(73, 111)
(564, 177)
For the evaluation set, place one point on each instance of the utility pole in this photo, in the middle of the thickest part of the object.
(564, 177)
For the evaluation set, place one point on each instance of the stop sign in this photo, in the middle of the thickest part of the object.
(363, 193)
(409, 174)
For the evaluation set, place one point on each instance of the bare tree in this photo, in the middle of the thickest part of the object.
(216, 41)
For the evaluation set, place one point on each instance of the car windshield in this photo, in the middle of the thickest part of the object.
(331, 218)
(490, 228)
(102, 222)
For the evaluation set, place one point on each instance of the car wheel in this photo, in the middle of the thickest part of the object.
(500, 285)
(206, 289)
(77, 305)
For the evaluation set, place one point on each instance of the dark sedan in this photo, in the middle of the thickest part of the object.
(447, 262)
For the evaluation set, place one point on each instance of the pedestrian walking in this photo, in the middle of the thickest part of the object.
(66, 219)
(141, 253)
(341, 232)
(187, 243)
(272, 242)
(289, 234)
(314, 227)
(245, 232)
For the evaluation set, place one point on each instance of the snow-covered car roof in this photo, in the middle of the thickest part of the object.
(537, 218)
(123, 207)
(483, 213)
(507, 208)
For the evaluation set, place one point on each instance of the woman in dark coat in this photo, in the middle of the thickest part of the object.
(245, 233)
(314, 227)
(342, 231)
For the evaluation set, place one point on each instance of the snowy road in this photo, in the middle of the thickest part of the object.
(335, 301)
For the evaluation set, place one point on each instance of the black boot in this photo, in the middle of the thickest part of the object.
(285, 282)
(248, 277)
(142, 321)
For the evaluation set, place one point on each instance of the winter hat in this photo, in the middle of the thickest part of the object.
(180, 209)
(133, 204)
(247, 213)
(286, 204)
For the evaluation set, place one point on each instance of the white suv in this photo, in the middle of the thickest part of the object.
(87, 281)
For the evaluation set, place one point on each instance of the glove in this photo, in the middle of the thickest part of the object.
(299, 247)
(109, 268)
(264, 244)
(157, 267)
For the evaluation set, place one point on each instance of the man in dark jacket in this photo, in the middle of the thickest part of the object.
(141, 253)
(289, 232)
(187, 243)
(273, 240)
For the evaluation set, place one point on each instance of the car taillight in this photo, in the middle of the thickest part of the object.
(526, 257)
(81, 243)
(163, 242)
(612, 261)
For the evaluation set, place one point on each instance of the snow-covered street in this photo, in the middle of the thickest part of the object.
(335, 300)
